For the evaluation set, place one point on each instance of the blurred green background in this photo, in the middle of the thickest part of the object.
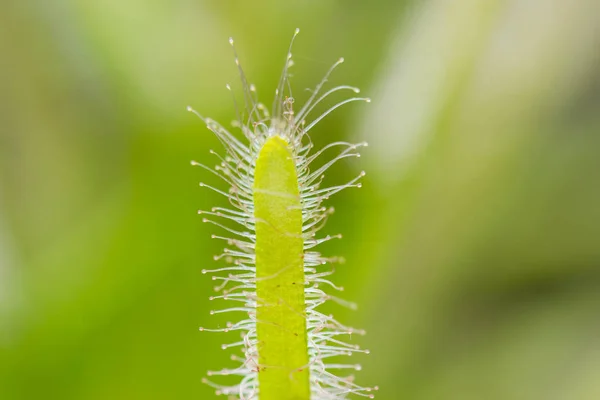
(473, 248)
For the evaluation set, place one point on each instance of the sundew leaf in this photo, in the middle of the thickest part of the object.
(289, 349)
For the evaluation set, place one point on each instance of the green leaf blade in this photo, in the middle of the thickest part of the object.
(281, 315)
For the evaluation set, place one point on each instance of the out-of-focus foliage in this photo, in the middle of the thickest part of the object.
(473, 248)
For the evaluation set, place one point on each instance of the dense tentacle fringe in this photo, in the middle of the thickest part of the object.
(235, 283)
